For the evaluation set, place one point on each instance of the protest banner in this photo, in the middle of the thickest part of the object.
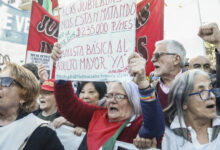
(14, 25)
(150, 28)
(96, 39)
(43, 31)
(54, 3)
(38, 58)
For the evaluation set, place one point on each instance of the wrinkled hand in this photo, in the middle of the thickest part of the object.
(42, 72)
(56, 52)
(78, 131)
(136, 69)
(145, 143)
(59, 121)
(211, 34)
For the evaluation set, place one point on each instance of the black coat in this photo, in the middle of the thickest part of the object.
(43, 138)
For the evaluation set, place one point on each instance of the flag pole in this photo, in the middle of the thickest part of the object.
(200, 20)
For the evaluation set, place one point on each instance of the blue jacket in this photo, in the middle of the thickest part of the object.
(153, 118)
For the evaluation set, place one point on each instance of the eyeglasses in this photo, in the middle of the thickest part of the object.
(117, 97)
(205, 94)
(7, 82)
(157, 55)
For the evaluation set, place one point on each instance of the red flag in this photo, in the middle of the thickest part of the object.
(149, 28)
(43, 30)
(54, 3)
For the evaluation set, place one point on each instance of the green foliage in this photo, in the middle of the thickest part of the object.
(210, 52)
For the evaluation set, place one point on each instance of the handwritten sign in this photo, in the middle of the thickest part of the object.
(96, 39)
(38, 58)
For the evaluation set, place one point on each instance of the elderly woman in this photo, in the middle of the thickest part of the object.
(122, 108)
(121, 119)
(19, 89)
(191, 118)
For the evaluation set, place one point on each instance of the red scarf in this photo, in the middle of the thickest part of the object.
(100, 129)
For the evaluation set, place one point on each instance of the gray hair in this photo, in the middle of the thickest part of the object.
(132, 92)
(179, 93)
(174, 47)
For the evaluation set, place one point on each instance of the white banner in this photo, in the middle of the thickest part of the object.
(96, 39)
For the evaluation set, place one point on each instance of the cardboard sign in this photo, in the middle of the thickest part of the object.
(96, 39)
(38, 58)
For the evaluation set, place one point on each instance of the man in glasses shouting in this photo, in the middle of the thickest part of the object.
(168, 60)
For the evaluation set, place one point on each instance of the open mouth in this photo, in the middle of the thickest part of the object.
(156, 66)
(210, 106)
(113, 109)
(42, 102)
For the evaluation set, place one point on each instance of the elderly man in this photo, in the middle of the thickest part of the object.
(200, 62)
(168, 60)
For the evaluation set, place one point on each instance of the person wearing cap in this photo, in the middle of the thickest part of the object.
(48, 108)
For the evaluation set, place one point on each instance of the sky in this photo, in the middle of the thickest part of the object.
(182, 19)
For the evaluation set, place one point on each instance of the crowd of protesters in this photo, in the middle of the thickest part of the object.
(177, 108)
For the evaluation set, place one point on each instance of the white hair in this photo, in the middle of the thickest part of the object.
(174, 47)
(132, 92)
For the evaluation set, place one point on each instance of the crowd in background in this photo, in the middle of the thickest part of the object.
(178, 108)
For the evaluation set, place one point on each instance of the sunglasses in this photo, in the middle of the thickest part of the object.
(158, 55)
(7, 82)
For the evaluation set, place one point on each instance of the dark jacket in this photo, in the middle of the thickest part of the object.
(217, 84)
(217, 69)
(43, 138)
